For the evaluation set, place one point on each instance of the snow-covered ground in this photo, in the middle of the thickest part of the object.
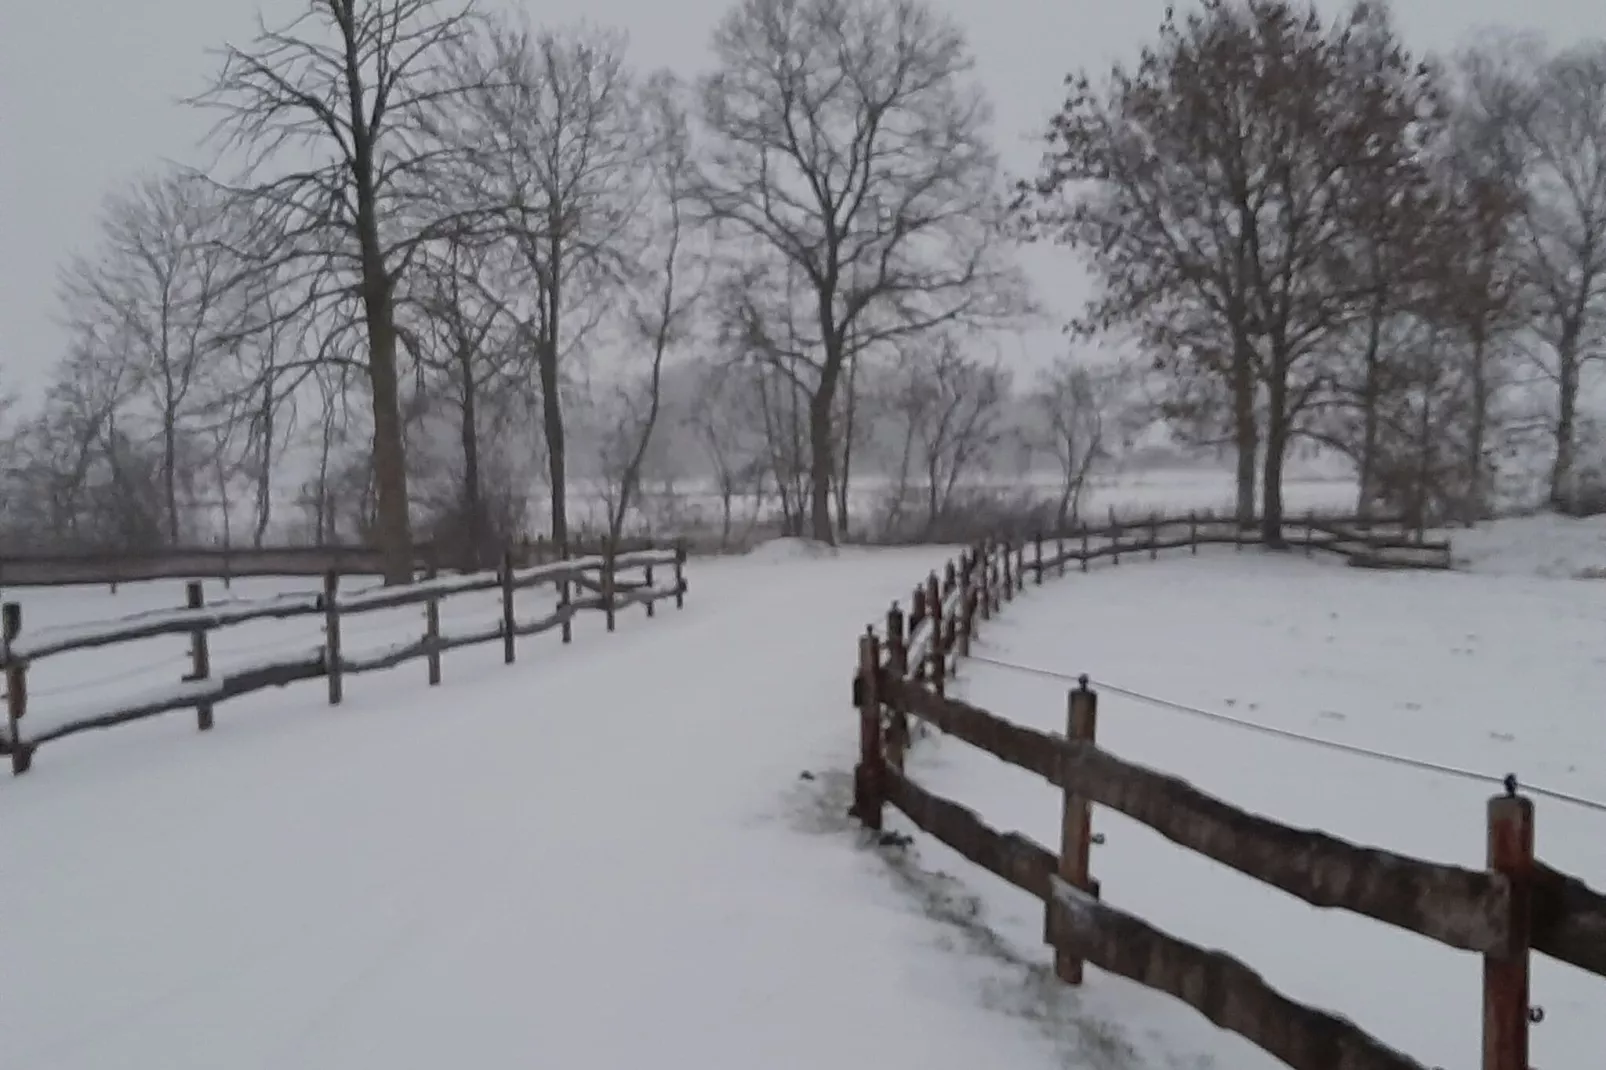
(602, 857)
(1495, 671)
(608, 855)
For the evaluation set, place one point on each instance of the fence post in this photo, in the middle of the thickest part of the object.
(680, 573)
(565, 601)
(869, 777)
(646, 574)
(1020, 568)
(1084, 546)
(331, 635)
(950, 578)
(1076, 826)
(982, 568)
(1059, 548)
(509, 624)
(1310, 532)
(917, 616)
(897, 741)
(1505, 975)
(935, 651)
(1038, 552)
(1115, 539)
(432, 622)
(1009, 575)
(608, 582)
(200, 656)
(1193, 533)
(1154, 536)
(16, 688)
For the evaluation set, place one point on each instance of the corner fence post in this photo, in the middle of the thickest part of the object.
(509, 624)
(1076, 828)
(897, 738)
(331, 635)
(680, 573)
(16, 688)
(200, 656)
(432, 622)
(869, 777)
(1505, 973)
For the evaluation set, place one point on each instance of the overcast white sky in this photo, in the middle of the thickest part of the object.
(88, 97)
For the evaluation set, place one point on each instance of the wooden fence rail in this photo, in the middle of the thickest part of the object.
(1514, 906)
(609, 575)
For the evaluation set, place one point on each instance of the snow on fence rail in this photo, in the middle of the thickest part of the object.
(1516, 906)
(239, 562)
(603, 583)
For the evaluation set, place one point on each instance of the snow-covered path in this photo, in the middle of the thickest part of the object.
(598, 858)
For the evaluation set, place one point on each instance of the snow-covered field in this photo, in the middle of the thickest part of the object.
(608, 855)
(1498, 671)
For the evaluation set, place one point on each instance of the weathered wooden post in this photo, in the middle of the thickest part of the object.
(200, 656)
(680, 573)
(1505, 972)
(1020, 567)
(869, 776)
(950, 578)
(16, 688)
(1115, 538)
(1037, 552)
(983, 579)
(897, 741)
(609, 582)
(331, 635)
(646, 574)
(1084, 546)
(565, 600)
(432, 620)
(509, 624)
(935, 652)
(1059, 548)
(1076, 825)
(918, 612)
(1009, 573)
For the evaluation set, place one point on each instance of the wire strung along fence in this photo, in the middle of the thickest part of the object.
(1503, 913)
(605, 584)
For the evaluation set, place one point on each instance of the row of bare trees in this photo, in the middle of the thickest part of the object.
(437, 252)
(1316, 235)
(449, 272)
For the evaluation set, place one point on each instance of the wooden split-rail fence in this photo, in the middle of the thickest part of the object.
(1504, 913)
(605, 584)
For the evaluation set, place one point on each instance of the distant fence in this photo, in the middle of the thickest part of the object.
(240, 562)
(1373, 542)
(1514, 907)
(604, 584)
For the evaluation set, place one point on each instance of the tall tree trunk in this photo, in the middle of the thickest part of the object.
(170, 474)
(822, 459)
(473, 499)
(1371, 397)
(394, 527)
(1561, 471)
(1277, 433)
(1478, 431)
(1246, 432)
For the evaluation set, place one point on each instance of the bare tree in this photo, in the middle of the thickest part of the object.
(1086, 413)
(1561, 121)
(336, 116)
(847, 141)
(662, 299)
(153, 294)
(951, 405)
(1213, 184)
(558, 145)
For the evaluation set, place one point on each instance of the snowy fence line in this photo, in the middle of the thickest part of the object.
(606, 583)
(1503, 913)
(228, 563)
